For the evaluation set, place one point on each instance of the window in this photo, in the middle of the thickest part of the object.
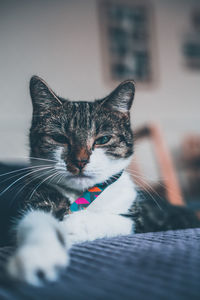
(127, 39)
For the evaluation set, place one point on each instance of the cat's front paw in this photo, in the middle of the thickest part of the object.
(37, 264)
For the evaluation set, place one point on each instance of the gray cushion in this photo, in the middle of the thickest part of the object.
(162, 265)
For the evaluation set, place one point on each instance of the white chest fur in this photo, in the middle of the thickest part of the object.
(102, 218)
(117, 198)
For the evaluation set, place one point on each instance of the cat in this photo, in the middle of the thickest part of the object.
(76, 146)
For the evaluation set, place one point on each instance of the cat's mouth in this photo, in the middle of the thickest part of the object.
(79, 176)
(80, 181)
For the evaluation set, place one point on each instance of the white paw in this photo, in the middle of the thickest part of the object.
(78, 228)
(37, 263)
(87, 226)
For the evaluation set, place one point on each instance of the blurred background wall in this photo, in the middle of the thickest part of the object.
(60, 41)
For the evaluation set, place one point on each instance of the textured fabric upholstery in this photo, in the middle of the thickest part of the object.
(162, 265)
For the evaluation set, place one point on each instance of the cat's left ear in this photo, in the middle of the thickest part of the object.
(43, 98)
(122, 97)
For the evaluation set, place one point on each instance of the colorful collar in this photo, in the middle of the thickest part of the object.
(92, 193)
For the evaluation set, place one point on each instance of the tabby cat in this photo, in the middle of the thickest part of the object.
(78, 150)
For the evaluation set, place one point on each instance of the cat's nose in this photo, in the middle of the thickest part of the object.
(81, 163)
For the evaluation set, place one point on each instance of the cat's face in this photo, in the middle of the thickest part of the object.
(88, 142)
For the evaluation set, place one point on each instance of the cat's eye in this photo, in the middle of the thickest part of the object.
(102, 140)
(59, 138)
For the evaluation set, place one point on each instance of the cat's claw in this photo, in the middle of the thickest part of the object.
(37, 264)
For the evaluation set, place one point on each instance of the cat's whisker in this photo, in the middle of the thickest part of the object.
(14, 176)
(147, 189)
(22, 169)
(56, 174)
(152, 181)
(25, 158)
(144, 179)
(59, 179)
(136, 171)
(17, 175)
(152, 197)
(44, 180)
(35, 177)
(24, 176)
(45, 159)
(61, 169)
(142, 164)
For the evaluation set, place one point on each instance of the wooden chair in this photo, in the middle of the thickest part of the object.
(164, 160)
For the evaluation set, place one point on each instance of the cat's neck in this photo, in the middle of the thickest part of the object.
(72, 194)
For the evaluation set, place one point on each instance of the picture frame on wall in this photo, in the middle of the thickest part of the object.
(191, 45)
(127, 39)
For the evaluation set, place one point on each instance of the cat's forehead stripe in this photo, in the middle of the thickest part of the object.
(81, 116)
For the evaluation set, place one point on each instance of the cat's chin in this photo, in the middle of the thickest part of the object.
(80, 182)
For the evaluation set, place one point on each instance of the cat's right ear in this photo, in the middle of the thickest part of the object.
(43, 98)
(122, 97)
